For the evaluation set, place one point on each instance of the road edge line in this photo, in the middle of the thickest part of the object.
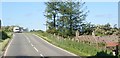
(8, 46)
(56, 46)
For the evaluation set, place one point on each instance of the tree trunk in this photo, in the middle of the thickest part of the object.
(54, 20)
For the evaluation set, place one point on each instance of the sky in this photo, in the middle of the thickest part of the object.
(31, 14)
(0, 10)
(25, 14)
(102, 12)
(59, 0)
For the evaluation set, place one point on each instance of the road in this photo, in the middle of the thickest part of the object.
(25, 44)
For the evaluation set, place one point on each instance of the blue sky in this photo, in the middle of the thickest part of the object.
(59, 0)
(102, 13)
(31, 14)
(24, 14)
(0, 10)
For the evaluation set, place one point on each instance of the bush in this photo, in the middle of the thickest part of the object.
(52, 31)
(3, 35)
(101, 44)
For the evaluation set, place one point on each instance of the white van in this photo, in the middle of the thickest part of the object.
(16, 30)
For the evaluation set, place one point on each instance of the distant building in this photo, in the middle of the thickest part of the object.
(111, 44)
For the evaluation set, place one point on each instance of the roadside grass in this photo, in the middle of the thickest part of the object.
(77, 48)
(3, 43)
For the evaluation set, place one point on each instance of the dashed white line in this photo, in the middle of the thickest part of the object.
(35, 49)
(27, 38)
(31, 44)
(55, 46)
(41, 55)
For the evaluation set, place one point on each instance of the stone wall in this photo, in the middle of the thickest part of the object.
(97, 39)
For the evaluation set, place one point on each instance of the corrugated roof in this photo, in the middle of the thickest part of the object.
(111, 44)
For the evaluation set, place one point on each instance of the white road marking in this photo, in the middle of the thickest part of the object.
(27, 38)
(35, 49)
(9, 45)
(31, 44)
(41, 55)
(56, 46)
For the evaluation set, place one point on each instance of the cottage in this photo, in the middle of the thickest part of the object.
(113, 46)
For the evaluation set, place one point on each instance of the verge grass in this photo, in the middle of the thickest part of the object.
(77, 48)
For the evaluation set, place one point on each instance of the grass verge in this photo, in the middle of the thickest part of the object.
(3, 43)
(77, 48)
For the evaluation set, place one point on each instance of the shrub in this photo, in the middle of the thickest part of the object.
(101, 44)
(3, 35)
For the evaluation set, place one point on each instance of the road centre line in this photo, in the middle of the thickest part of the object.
(41, 55)
(31, 44)
(35, 49)
(27, 38)
(55, 46)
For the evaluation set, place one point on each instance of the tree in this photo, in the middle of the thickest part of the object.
(88, 28)
(51, 11)
(65, 17)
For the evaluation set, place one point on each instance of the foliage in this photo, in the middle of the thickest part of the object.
(8, 28)
(102, 53)
(101, 44)
(87, 28)
(106, 29)
(64, 18)
(3, 35)
(52, 31)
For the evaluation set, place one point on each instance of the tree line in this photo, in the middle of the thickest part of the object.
(65, 18)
